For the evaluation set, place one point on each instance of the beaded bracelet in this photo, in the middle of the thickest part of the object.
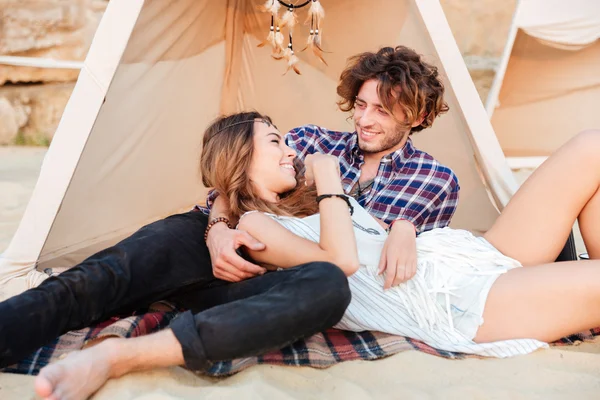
(215, 221)
(341, 196)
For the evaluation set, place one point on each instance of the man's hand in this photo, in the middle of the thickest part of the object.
(222, 244)
(399, 255)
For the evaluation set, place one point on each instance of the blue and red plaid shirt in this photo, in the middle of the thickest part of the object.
(410, 184)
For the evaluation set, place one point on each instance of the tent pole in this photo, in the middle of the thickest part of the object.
(492, 98)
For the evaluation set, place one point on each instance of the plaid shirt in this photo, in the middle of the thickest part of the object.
(410, 184)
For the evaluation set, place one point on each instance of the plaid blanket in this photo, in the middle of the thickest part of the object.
(319, 351)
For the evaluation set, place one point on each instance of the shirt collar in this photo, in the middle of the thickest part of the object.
(398, 158)
(353, 146)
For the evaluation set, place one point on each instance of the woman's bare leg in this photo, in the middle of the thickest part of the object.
(83, 372)
(534, 226)
(544, 302)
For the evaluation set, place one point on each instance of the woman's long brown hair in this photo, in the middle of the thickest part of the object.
(227, 149)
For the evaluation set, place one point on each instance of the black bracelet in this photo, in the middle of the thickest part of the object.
(341, 196)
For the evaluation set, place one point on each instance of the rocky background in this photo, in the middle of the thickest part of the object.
(32, 99)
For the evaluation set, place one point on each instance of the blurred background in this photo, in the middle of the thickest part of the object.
(32, 99)
(43, 44)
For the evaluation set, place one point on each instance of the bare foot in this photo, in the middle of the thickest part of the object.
(78, 376)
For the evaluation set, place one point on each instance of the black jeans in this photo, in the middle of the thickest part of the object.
(168, 259)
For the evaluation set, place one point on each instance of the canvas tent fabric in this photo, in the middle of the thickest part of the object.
(126, 150)
(547, 87)
(563, 24)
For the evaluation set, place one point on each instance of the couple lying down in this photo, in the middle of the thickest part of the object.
(499, 295)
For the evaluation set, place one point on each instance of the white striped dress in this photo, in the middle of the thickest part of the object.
(442, 305)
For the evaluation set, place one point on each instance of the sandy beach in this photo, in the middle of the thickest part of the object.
(565, 373)
(19, 169)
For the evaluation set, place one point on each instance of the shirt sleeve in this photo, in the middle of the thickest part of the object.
(210, 200)
(435, 212)
(309, 139)
(296, 139)
(443, 208)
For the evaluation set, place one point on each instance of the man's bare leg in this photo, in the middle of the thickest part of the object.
(82, 373)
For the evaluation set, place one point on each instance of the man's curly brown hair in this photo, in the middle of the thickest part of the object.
(404, 78)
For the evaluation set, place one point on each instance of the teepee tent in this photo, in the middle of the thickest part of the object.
(547, 87)
(127, 147)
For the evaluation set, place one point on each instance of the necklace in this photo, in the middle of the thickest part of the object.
(361, 189)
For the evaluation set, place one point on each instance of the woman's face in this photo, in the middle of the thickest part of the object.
(272, 170)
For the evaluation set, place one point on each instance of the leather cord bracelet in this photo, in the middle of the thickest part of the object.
(215, 221)
(341, 196)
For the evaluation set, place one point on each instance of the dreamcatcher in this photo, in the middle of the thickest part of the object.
(288, 20)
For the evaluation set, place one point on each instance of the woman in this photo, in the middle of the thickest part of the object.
(467, 296)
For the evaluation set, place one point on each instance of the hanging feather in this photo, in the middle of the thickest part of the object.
(314, 44)
(278, 48)
(317, 50)
(289, 19)
(270, 39)
(271, 6)
(315, 13)
(292, 61)
(309, 39)
(280, 53)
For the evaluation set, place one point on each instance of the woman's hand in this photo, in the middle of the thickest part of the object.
(316, 163)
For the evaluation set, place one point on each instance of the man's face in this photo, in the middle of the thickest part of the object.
(377, 130)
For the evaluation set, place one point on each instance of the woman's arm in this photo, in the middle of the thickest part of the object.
(337, 243)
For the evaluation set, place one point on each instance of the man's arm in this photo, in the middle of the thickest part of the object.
(222, 244)
(297, 139)
(399, 255)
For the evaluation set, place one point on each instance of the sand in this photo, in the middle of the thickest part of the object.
(19, 169)
(558, 373)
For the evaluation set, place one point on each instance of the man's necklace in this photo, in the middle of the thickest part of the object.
(361, 189)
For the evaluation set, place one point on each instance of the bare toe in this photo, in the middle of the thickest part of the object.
(43, 387)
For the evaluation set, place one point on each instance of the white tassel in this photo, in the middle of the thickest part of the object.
(289, 19)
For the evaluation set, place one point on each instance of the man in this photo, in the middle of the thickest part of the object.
(391, 94)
